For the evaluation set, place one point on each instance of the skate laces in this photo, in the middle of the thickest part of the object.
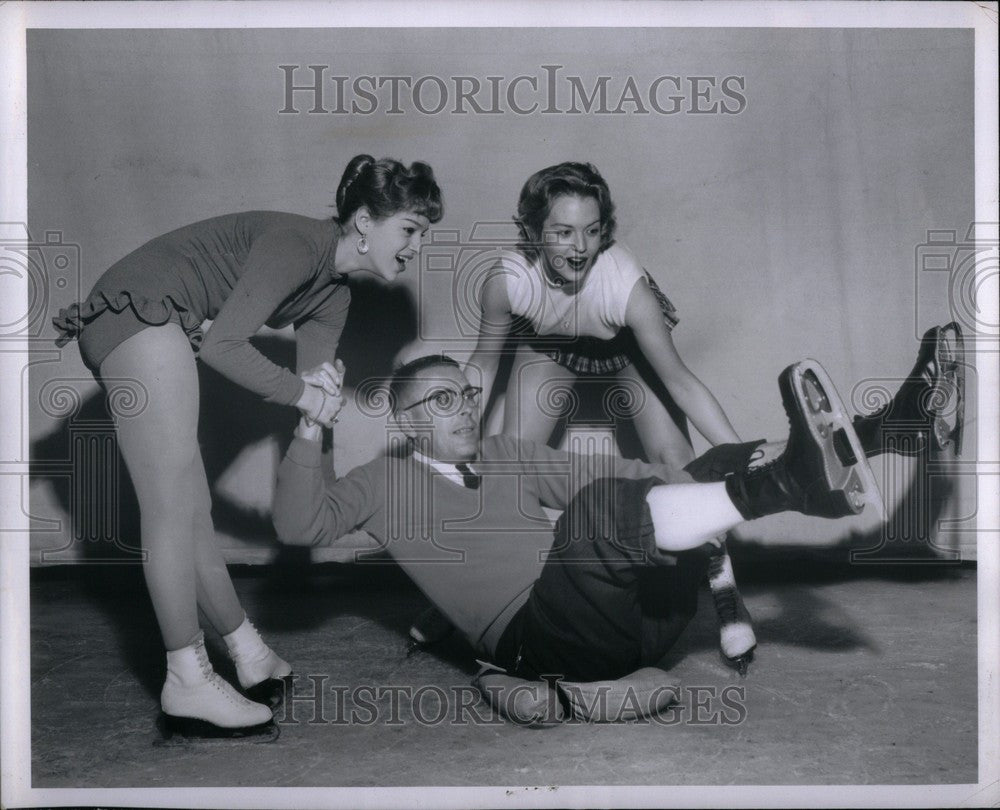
(765, 468)
(207, 669)
(778, 466)
(202, 655)
(725, 603)
(211, 676)
(767, 454)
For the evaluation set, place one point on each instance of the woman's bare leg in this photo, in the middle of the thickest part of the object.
(662, 440)
(159, 443)
(216, 594)
(538, 395)
(160, 446)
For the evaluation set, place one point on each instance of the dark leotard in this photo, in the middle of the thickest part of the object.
(241, 271)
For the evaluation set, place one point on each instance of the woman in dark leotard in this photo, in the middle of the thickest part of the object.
(138, 327)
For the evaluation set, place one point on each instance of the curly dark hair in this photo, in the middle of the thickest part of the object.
(386, 187)
(543, 187)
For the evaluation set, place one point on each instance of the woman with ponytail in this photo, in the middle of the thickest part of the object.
(142, 322)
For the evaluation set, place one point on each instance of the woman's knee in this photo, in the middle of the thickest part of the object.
(162, 480)
(674, 457)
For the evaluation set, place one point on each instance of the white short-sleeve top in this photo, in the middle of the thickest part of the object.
(597, 309)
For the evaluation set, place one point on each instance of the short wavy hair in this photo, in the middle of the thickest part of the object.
(543, 187)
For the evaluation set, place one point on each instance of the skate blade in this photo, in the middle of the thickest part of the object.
(737, 643)
(271, 692)
(187, 731)
(948, 398)
(740, 663)
(830, 425)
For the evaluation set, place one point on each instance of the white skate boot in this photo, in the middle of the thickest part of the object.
(258, 667)
(198, 702)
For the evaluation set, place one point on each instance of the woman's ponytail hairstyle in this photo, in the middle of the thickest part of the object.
(386, 187)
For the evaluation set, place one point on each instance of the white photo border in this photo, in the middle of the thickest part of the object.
(16, 18)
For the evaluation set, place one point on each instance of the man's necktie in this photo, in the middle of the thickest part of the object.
(469, 479)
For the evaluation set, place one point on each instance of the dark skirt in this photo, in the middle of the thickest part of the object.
(592, 356)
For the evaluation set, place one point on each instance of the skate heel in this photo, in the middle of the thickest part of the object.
(808, 389)
(737, 636)
(271, 692)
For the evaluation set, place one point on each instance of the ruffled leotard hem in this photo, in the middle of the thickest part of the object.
(71, 321)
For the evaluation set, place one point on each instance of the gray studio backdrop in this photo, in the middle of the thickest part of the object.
(778, 184)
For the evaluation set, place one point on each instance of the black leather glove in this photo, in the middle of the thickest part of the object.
(715, 464)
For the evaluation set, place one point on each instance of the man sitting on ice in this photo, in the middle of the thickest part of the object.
(607, 591)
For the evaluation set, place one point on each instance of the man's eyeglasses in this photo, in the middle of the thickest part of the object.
(448, 401)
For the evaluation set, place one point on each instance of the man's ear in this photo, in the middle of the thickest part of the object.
(405, 422)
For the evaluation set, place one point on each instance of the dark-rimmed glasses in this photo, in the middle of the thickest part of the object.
(447, 401)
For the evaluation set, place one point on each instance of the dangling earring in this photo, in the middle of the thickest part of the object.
(362, 245)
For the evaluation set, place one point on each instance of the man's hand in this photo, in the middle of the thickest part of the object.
(328, 376)
(309, 430)
(322, 399)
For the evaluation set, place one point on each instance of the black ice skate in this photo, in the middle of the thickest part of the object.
(823, 471)
(928, 411)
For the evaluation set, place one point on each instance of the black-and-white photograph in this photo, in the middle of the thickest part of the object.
(531, 405)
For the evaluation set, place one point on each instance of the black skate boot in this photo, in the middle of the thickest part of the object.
(812, 476)
(928, 411)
